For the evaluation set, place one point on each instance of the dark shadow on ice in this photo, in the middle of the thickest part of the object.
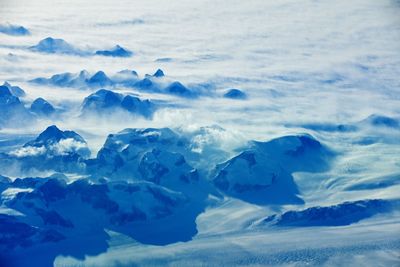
(70, 219)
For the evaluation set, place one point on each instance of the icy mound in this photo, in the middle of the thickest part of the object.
(53, 135)
(262, 175)
(15, 90)
(55, 46)
(381, 121)
(178, 89)
(53, 149)
(297, 153)
(99, 79)
(42, 108)
(150, 83)
(101, 99)
(126, 77)
(81, 79)
(51, 45)
(117, 51)
(235, 94)
(12, 112)
(159, 73)
(342, 214)
(147, 84)
(153, 155)
(256, 179)
(15, 30)
(105, 102)
(155, 83)
(135, 105)
(85, 79)
(145, 139)
(122, 153)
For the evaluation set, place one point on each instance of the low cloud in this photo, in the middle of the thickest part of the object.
(29, 151)
(66, 146)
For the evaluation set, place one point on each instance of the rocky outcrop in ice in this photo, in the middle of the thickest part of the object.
(12, 111)
(116, 51)
(105, 102)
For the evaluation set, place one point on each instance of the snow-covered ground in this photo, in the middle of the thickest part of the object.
(298, 167)
(372, 243)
